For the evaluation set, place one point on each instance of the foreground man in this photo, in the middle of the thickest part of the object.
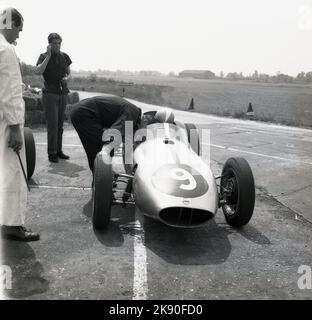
(13, 189)
(54, 66)
(90, 117)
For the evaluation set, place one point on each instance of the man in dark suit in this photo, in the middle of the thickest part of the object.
(90, 117)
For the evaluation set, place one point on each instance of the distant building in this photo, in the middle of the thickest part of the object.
(197, 74)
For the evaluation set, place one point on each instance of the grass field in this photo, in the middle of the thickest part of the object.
(279, 103)
(289, 104)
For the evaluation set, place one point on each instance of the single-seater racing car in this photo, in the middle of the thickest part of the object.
(170, 182)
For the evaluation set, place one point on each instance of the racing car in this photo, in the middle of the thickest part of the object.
(169, 181)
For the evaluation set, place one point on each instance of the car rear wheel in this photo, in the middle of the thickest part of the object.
(193, 137)
(237, 189)
(30, 150)
(102, 191)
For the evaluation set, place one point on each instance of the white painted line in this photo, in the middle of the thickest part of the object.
(140, 288)
(64, 145)
(117, 152)
(304, 136)
(257, 154)
(59, 187)
(2, 296)
(167, 130)
(5, 276)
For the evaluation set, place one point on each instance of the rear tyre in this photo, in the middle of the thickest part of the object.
(30, 150)
(193, 137)
(102, 191)
(238, 190)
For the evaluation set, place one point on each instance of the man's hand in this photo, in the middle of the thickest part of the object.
(15, 138)
(24, 87)
(49, 52)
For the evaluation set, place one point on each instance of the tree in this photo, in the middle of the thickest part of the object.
(282, 78)
(255, 75)
(301, 76)
(233, 76)
(263, 77)
(93, 77)
(27, 69)
(309, 76)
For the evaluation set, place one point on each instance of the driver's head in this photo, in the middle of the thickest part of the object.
(164, 115)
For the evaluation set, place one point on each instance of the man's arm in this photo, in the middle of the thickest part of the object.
(67, 77)
(68, 71)
(42, 66)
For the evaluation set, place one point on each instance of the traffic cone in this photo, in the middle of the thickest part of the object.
(191, 106)
(250, 111)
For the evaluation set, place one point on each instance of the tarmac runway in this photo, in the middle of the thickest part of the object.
(139, 258)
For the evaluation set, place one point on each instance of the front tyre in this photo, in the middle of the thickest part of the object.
(237, 190)
(102, 191)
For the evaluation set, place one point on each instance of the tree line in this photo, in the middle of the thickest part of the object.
(302, 77)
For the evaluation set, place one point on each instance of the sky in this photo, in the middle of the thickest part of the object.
(172, 35)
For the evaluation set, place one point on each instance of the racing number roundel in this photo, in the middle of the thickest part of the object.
(179, 180)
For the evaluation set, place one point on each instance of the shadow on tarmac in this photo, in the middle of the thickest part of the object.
(197, 246)
(66, 168)
(27, 272)
(252, 234)
(112, 236)
(87, 209)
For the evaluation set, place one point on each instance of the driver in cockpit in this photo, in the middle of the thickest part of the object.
(163, 115)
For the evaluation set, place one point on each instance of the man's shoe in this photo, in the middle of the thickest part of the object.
(19, 233)
(62, 155)
(53, 158)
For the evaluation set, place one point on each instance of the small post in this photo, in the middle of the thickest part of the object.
(191, 106)
(250, 112)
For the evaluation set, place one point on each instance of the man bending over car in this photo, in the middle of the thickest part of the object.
(90, 117)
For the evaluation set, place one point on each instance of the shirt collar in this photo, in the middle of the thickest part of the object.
(2, 38)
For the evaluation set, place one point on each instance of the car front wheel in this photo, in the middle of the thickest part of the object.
(102, 191)
(237, 190)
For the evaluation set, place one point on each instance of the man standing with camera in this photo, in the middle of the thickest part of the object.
(54, 65)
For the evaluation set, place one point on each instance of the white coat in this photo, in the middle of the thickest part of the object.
(13, 188)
